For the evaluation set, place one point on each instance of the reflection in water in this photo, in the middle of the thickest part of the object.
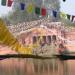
(27, 66)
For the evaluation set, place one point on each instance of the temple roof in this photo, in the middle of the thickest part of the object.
(21, 27)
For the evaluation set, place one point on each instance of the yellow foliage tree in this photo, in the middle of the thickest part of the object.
(8, 39)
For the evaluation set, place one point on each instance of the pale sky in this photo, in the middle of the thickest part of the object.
(68, 7)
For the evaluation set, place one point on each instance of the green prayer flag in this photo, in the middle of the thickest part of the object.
(30, 8)
(37, 10)
(3, 2)
(68, 16)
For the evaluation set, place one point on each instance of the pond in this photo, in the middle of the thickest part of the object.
(30, 66)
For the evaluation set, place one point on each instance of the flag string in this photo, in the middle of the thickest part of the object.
(43, 11)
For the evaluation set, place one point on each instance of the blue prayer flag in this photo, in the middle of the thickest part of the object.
(54, 13)
(22, 6)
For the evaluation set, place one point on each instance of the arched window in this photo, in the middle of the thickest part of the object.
(49, 39)
(44, 38)
(23, 41)
(54, 37)
(34, 39)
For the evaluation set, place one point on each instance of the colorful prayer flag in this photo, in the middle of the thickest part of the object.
(10, 3)
(43, 12)
(49, 12)
(30, 8)
(37, 10)
(73, 19)
(54, 13)
(68, 16)
(22, 6)
(3, 2)
(63, 15)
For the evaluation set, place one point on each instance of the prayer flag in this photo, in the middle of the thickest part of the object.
(3, 2)
(10, 3)
(37, 10)
(49, 12)
(43, 12)
(63, 15)
(54, 13)
(30, 8)
(68, 16)
(22, 6)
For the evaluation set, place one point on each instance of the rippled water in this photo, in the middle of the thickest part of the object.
(27, 66)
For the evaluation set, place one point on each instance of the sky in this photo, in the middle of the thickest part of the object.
(68, 7)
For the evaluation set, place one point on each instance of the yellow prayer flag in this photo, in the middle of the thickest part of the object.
(63, 15)
(30, 8)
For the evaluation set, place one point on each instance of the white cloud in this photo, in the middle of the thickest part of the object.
(68, 7)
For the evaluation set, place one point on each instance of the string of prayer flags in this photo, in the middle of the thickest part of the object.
(43, 12)
(67, 16)
(54, 13)
(37, 10)
(22, 6)
(10, 3)
(3, 2)
(30, 8)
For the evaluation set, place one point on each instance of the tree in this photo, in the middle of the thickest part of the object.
(19, 15)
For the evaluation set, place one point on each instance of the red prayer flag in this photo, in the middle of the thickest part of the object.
(43, 12)
(10, 3)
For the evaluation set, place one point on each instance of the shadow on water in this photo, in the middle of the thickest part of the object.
(30, 66)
